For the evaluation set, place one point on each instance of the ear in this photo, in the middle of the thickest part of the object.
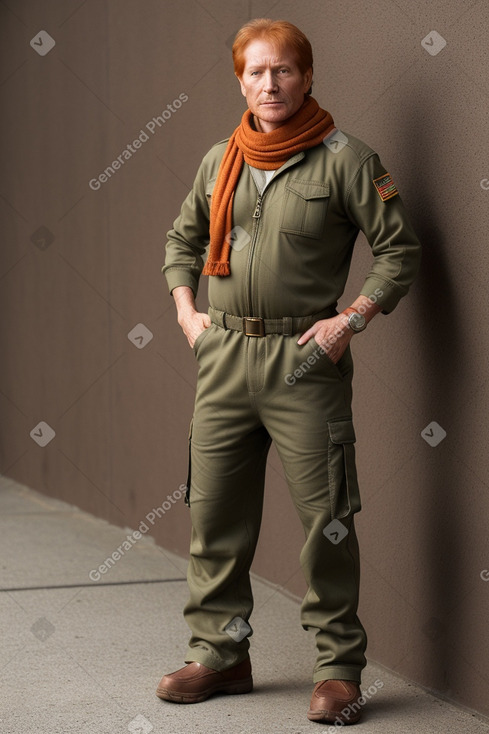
(307, 79)
(243, 90)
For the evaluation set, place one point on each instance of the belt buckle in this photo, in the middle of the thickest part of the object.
(253, 326)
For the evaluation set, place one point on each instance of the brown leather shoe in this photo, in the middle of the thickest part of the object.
(335, 700)
(195, 682)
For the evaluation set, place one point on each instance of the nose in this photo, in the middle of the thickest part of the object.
(269, 82)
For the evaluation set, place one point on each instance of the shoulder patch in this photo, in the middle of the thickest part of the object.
(386, 188)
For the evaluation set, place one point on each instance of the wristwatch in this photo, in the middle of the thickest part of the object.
(356, 321)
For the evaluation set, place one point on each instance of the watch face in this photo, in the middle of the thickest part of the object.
(357, 321)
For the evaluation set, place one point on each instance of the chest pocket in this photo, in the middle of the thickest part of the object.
(304, 208)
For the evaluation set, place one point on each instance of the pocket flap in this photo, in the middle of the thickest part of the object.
(308, 189)
(341, 431)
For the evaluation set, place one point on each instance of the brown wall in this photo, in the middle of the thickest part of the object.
(121, 414)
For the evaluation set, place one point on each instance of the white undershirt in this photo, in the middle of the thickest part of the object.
(262, 177)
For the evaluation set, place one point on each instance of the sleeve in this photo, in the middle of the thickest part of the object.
(189, 237)
(375, 206)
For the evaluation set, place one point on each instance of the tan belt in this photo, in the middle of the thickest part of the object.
(256, 326)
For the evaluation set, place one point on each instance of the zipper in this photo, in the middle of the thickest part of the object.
(254, 237)
(256, 224)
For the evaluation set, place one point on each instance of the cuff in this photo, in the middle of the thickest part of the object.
(180, 276)
(385, 293)
(338, 672)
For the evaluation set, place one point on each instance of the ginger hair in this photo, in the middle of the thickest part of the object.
(280, 33)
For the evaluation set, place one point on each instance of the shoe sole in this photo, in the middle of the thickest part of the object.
(329, 717)
(244, 686)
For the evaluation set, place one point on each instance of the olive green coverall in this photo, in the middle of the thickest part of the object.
(292, 243)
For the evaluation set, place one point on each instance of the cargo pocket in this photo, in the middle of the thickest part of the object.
(342, 474)
(304, 208)
(189, 470)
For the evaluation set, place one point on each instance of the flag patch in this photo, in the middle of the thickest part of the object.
(386, 188)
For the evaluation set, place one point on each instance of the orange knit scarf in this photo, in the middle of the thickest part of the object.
(305, 129)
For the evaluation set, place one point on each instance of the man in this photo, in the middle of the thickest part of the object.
(281, 202)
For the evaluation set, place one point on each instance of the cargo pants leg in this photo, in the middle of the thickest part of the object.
(228, 451)
(305, 404)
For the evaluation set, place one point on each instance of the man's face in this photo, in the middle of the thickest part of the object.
(272, 83)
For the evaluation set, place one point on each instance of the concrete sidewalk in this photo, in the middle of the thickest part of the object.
(82, 655)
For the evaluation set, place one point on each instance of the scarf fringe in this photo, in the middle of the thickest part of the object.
(216, 268)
